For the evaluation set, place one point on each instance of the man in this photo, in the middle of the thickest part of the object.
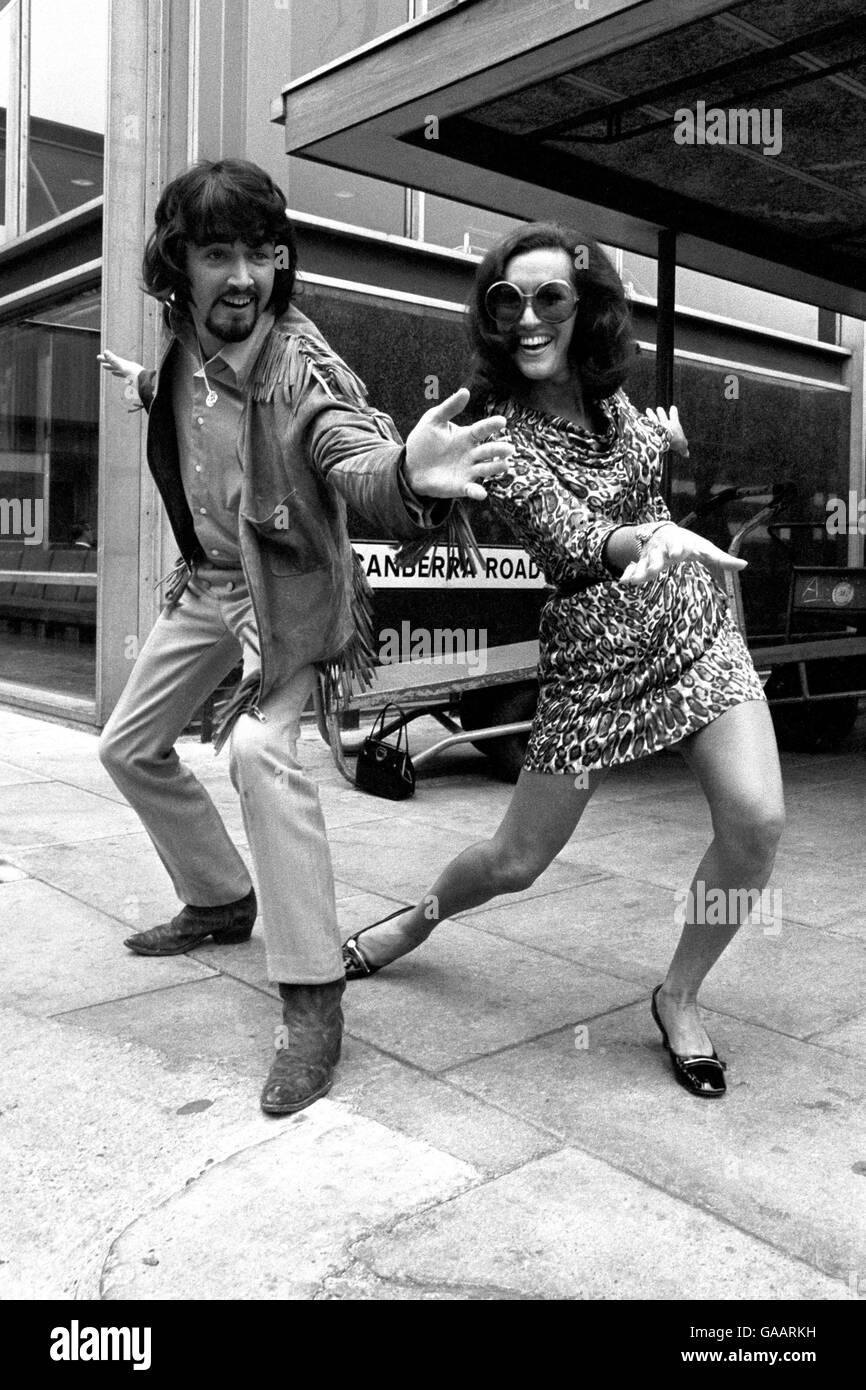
(82, 536)
(258, 435)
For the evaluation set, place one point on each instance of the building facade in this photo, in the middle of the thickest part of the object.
(101, 101)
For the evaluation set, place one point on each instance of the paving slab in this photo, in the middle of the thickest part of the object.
(667, 858)
(213, 1020)
(218, 1021)
(458, 997)
(120, 875)
(796, 979)
(92, 1134)
(820, 888)
(605, 814)
(288, 1210)
(207, 1020)
(401, 859)
(248, 962)
(630, 929)
(484, 804)
(73, 956)
(852, 923)
(55, 752)
(782, 1156)
(425, 1107)
(9, 873)
(570, 1227)
(10, 775)
(36, 814)
(614, 923)
(849, 1036)
(125, 1136)
(817, 887)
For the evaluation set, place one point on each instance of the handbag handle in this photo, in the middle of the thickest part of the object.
(377, 730)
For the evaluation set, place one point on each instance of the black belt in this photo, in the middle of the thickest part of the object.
(569, 587)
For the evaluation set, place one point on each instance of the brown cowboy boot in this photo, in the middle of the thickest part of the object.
(228, 924)
(308, 1049)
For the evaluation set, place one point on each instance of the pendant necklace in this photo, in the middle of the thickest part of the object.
(211, 398)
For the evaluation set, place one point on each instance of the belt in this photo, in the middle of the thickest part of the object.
(569, 587)
(221, 579)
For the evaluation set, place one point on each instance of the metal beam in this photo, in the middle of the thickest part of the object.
(483, 50)
(665, 333)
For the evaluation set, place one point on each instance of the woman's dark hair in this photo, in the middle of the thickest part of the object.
(222, 200)
(601, 347)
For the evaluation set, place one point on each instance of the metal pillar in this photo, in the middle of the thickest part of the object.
(666, 294)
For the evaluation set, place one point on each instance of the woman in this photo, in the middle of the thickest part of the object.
(637, 649)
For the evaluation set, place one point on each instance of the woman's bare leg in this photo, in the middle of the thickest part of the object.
(540, 820)
(736, 762)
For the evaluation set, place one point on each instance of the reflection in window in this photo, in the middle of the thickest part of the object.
(343, 196)
(5, 43)
(49, 446)
(288, 42)
(68, 69)
(331, 28)
(747, 305)
(461, 227)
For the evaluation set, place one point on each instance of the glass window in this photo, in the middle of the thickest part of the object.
(462, 227)
(343, 196)
(285, 42)
(741, 302)
(710, 295)
(639, 274)
(49, 446)
(68, 77)
(331, 28)
(775, 431)
(5, 59)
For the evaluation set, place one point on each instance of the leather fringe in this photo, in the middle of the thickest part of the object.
(353, 666)
(176, 582)
(293, 361)
(243, 700)
(457, 537)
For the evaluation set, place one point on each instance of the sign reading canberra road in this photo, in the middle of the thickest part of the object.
(505, 567)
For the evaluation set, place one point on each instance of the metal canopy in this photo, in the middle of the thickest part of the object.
(574, 109)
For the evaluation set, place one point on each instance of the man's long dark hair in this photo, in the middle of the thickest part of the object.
(221, 200)
(601, 348)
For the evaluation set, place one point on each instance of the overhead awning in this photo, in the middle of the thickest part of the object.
(580, 110)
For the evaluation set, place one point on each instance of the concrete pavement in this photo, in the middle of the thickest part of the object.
(504, 1123)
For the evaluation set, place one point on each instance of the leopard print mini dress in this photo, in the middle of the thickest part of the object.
(623, 672)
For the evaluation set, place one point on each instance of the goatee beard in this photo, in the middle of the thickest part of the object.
(235, 333)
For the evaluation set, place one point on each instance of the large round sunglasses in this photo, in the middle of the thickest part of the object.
(554, 302)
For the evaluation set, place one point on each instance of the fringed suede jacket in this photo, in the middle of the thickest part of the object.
(308, 443)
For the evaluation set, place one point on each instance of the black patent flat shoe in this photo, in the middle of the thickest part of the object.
(701, 1076)
(355, 963)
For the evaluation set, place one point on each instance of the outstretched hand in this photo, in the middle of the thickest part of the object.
(447, 460)
(122, 367)
(672, 545)
(669, 421)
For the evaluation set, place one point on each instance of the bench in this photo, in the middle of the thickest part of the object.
(43, 597)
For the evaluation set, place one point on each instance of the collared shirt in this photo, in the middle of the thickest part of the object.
(207, 435)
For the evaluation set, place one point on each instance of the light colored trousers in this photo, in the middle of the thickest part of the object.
(191, 648)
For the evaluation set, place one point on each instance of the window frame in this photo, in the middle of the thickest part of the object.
(17, 120)
(18, 135)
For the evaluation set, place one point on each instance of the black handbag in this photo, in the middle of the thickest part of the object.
(385, 769)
